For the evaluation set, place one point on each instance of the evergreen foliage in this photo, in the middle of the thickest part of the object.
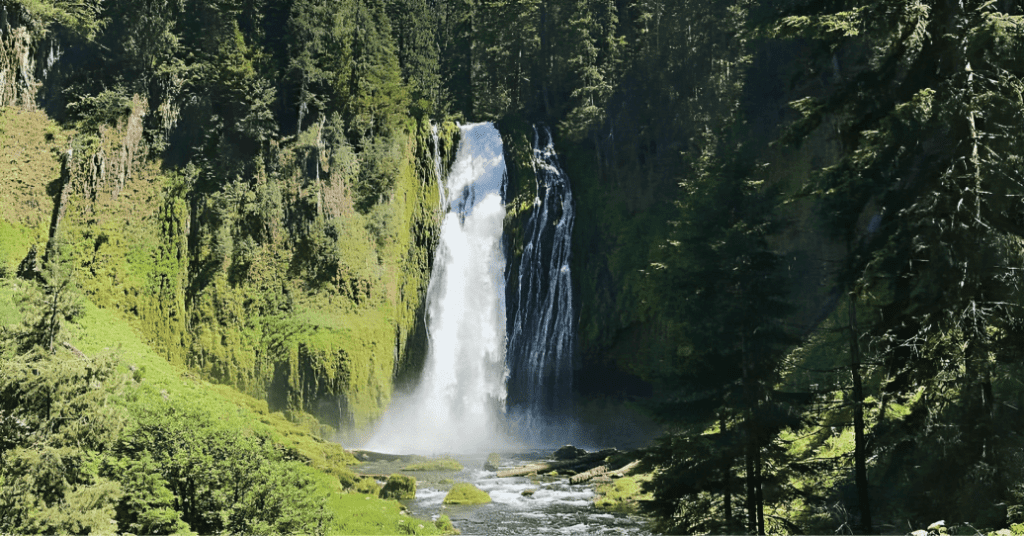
(829, 324)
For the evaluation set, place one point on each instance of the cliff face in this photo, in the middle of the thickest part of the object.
(285, 281)
(626, 179)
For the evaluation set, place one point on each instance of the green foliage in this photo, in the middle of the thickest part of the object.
(622, 495)
(444, 524)
(466, 493)
(81, 18)
(399, 487)
(56, 418)
(47, 308)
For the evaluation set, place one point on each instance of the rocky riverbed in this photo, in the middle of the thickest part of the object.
(530, 492)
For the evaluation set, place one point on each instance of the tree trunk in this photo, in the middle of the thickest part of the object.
(758, 490)
(751, 495)
(726, 473)
(859, 454)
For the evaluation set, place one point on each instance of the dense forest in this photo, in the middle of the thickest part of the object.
(798, 247)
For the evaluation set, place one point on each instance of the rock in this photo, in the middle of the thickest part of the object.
(399, 487)
(528, 492)
(466, 493)
(493, 462)
(568, 452)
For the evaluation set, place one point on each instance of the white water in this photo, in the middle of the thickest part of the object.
(459, 403)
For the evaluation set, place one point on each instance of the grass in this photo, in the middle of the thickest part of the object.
(622, 495)
(103, 331)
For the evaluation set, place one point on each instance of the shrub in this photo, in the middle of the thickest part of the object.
(399, 487)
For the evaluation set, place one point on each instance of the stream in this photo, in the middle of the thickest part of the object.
(555, 507)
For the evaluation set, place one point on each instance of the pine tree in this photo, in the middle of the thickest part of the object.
(926, 99)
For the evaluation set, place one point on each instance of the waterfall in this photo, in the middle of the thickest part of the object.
(459, 402)
(442, 190)
(542, 335)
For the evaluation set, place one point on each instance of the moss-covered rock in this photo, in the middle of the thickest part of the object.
(466, 493)
(493, 462)
(399, 487)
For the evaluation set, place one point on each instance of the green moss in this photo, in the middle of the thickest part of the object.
(399, 487)
(444, 524)
(367, 485)
(466, 493)
(622, 495)
(443, 464)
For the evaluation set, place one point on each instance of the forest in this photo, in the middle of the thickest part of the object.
(798, 247)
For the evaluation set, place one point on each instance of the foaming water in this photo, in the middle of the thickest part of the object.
(550, 506)
(459, 403)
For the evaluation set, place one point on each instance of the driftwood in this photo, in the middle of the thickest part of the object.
(534, 468)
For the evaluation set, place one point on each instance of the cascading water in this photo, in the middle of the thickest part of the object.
(458, 405)
(442, 189)
(542, 335)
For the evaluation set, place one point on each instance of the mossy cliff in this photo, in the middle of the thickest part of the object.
(279, 285)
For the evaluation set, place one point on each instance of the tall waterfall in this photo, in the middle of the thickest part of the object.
(542, 332)
(458, 405)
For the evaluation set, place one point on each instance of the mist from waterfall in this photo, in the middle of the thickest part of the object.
(459, 403)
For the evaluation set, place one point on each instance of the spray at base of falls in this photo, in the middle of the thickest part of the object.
(459, 403)
(542, 334)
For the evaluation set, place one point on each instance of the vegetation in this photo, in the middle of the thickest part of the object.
(622, 495)
(800, 243)
(122, 441)
(466, 493)
(399, 487)
(441, 464)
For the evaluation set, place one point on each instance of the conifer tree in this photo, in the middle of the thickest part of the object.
(926, 99)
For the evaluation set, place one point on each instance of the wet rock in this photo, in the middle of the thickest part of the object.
(528, 492)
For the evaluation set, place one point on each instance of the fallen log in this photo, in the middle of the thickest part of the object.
(625, 470)
(370, 456)
(534, 468)
(586, 476)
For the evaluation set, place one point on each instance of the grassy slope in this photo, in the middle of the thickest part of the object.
(117, 260)
(103, 330)
(28, 164)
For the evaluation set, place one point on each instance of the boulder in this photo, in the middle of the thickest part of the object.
(568, 452)
(399, 487)
(493, 462)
